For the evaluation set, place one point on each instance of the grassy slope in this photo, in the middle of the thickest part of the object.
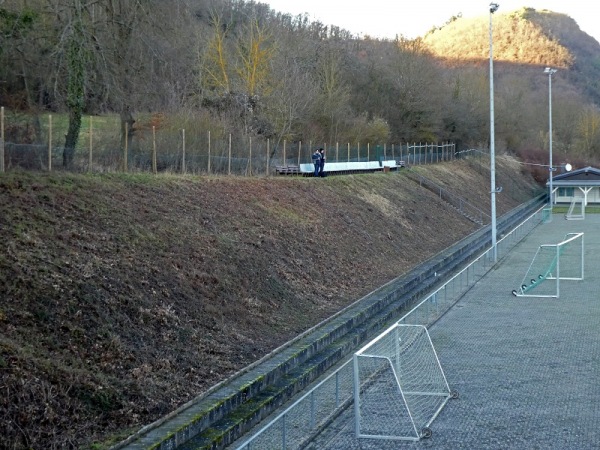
(124, 296)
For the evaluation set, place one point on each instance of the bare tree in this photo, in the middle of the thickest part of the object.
(216, 64)
(25, 59)
(289, 101)
(333, 102)
(589, 132)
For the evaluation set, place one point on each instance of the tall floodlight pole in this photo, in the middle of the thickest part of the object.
(550, 72)
(493, 190)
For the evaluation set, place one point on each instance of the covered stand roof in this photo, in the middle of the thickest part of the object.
(587, 176)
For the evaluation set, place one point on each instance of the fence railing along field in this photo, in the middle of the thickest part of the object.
(102, 147)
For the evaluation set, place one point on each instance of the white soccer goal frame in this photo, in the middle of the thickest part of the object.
(572, 214)
(416, 423)
(553, 272)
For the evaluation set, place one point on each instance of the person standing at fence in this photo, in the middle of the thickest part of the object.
(316, 159)
(322, 162)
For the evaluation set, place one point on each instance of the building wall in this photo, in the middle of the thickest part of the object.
(565, 195)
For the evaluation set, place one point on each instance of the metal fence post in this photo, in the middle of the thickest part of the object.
(337, 389)
(283, 443)
(2, 139)
(312, 409)
(356, 392)
(49, 142)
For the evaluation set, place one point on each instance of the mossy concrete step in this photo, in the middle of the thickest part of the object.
(226, 413)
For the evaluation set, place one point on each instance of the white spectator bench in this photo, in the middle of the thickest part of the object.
(352, 167)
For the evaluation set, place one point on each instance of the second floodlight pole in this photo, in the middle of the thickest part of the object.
(493, 9)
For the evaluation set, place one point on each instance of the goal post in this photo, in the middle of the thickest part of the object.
(551, 264)
(576, 209)
(399, 385)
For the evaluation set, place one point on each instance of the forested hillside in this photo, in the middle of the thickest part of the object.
(239, 67)
(526, 41)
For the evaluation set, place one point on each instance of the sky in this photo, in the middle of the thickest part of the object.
(414, 18)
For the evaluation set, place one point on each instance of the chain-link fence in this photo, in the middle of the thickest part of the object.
(107, 145)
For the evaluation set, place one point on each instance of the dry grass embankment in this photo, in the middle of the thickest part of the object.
(124, 296)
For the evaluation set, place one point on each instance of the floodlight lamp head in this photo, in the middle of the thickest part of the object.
(568, 167)
(549, 71)
(494, 7)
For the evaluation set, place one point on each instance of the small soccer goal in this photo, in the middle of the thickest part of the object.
(551, 264)
(399, 385)
(576, 209)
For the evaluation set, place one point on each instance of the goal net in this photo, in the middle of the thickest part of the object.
(576, 209)
(551, 264)
(399, 385)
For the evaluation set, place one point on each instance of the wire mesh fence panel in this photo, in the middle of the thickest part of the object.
(299, 422)
(314, 409)
(293, 428)
(328, 398)
(27, 157)
(273, 438)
